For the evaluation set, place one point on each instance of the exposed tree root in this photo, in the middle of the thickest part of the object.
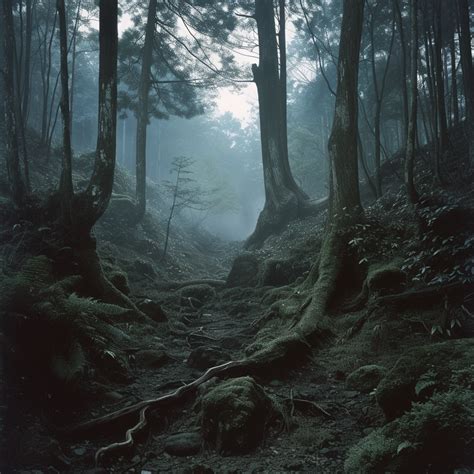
(283, 352)
(424, 297)
(100, 287)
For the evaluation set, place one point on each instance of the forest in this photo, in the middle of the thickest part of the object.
(237, 236)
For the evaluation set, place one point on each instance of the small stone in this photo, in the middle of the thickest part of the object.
(136, 459)
(79, 451)
(183, 444)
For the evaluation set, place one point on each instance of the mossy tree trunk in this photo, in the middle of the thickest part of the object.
(284, 200)
(15, 180)
(345, 197)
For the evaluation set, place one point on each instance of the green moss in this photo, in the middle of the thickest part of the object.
(386, 277)
(435, 436)
(234, 415)
(397, 390)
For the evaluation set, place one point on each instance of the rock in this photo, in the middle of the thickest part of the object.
(365, 378)
(281, 272)
(234, 415)
(120, 281)
(422, 368)
(151, 358)
(202, 293)
(79, 451)
(183, 444)
(385, 279)
(153, 310)
(204, 357)
(244, 271)
(142, 267)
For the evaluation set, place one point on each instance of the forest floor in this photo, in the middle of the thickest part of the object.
(208, 307)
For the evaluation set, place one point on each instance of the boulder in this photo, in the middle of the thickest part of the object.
(386, 279)
(422, 370)
(183, 444)
(204, 357)
(153, 310)
(120, 281)
(244, 271)
(234, 415)
(365, 378)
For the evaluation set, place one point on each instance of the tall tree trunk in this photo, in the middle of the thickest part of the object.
(27, 67)
(142, 114)
(439, 79)
(379, 96)
(283, 72)
(403, 64)
(468, 78)
(47, 59)
(345, 197)
(454, 81)
(73, 64)
(65, 186)
(93, 203)
(17, 187)
(284, 200)
(411, 140)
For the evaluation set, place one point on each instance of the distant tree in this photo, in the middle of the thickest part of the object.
(184, 193)
(411, 138)
(172, 68)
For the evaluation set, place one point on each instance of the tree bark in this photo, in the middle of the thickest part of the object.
(403, 69)
(17, 187)
(439, 79)
(142, 112)
(27, 68)
(454, 81)
(283, 73)
(468, 78)
(411, 140)
(345, 198)
(65, 185)
(379, 96)
(284, 200)
(94, 202)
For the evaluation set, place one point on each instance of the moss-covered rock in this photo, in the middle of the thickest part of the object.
(419, 372)
(234, 415)
(365, 378)
(436, 436)
(120, 281)
(386, 278)
(244, 271)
